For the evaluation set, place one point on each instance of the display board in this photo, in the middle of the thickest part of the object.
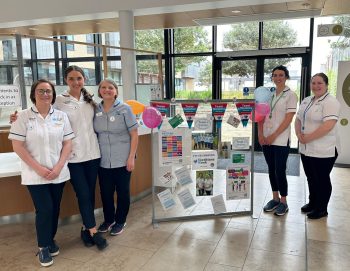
(199, 154)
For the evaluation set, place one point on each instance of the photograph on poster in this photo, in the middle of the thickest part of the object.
(204, 182)
(204, 141)
(237, 182)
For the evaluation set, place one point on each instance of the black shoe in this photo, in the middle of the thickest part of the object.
(45, 257)
(54, 249)
(86, 237)
(306, 208)
(317, 214)
(100, 242)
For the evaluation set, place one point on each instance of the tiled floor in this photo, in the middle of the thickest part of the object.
(264, 243)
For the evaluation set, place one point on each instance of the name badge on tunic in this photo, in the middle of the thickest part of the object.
(112, 118)
(99, 114)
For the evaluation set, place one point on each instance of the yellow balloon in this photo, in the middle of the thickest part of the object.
(136, 107)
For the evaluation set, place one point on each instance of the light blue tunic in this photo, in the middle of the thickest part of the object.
(112, 130)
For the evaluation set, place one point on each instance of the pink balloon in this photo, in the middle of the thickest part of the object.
(262, 109)
(151, 117)
(258, 117)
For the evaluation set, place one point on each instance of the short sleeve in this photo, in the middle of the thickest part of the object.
(67, 130)
(130, 119)
(18, 129)
(292, 102)
(331, 109)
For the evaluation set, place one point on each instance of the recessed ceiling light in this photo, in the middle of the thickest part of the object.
(98, 23)
(236, 11)
(33, 28)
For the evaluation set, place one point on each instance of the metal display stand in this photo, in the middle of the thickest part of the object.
(203, 206)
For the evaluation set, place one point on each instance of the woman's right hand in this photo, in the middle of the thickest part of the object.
(43, 172)
(262, 140)
(13, 117)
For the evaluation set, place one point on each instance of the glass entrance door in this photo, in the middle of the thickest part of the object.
(237, 76)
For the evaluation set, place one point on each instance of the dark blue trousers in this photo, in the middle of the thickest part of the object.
(83, 178)
(47, 201)
(276, 159)
(113, 180)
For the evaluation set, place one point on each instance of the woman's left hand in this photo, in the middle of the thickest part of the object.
(130, 164)
(55, 172)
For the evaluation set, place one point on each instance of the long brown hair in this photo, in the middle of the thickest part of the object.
(87, 96)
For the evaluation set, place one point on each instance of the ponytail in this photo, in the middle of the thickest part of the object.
(88, 97)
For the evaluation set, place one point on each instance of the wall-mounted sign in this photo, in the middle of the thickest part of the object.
(10, 95)
(326, 30)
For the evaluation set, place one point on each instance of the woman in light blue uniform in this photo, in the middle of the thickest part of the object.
(116, 127)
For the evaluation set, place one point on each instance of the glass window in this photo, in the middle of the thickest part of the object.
(70, 46)
(79, 50)
(286, 33)
(90, 39)
(112, 39)
(151, 40)
(193, 39)
(89, 70)
(8, 49)
(44, 49)
(236, 75)
(193, 77)
(147, 71)
(47, 70)
(328, 51)
(114, 69)
(26, 49)
(235, 37)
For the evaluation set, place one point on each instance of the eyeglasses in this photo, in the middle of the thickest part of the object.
(43, 91)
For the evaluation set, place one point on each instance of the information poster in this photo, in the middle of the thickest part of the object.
(166, 199)
(186, 198)
(171, 147)
(204, 159)
(237, 182)
(10, 96)
(183, 175)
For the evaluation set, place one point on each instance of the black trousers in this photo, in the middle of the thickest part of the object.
(113, 180)
(317, 171)
(47, 201)
(276, 159)
(83, 178)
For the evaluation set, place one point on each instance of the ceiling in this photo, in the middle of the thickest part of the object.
(67, 17)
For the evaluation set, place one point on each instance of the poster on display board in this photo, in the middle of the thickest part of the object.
(204, 159)
(174, 145)
(237, 182)
(10, 96)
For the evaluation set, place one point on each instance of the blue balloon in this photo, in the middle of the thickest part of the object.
(262, 95)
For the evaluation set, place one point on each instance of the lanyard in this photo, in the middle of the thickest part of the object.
(272, 106)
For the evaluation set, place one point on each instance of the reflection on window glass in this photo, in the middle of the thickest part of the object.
(236, 77)
(8, 49)
(44, 49)
(90, 39)
(286, 33)
(70, 46)
(150, 40)
(328, 51)
(114, 71)
(193, 39)
(242, 36)
(112, 39)
(89, 70)
(26, 49)
(193, 77)
(46, 70)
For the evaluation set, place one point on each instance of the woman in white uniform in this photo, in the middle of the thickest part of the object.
(116, 127)
(42, 138)
(274, 137)
(316, 130)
